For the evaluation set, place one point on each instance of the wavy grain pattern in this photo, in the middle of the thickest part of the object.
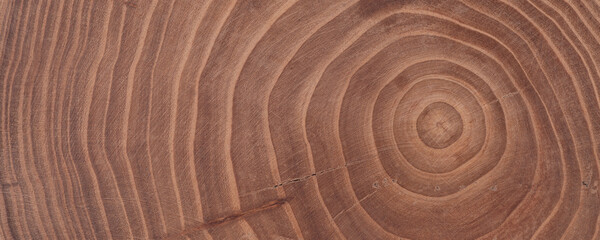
(300, 119)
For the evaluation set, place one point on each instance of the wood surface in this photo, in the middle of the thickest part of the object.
(299, 119)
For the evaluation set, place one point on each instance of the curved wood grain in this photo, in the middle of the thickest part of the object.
(350, 119)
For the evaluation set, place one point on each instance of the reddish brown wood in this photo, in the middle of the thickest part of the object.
(299, 119)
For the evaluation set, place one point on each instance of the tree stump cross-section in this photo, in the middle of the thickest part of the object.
(299, 119)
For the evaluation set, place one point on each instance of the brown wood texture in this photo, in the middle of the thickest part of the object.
(299, 119)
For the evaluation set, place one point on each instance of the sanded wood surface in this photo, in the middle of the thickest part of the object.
(299, 119)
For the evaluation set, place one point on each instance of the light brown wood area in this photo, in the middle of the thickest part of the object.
(299, 119)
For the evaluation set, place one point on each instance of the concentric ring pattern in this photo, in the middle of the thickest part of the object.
(289, 119)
